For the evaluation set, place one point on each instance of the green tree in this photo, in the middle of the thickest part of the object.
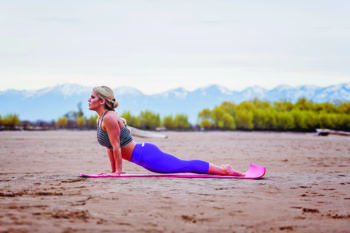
(205, 114)
(168, 122)
(149, 120)
(283, 106)
(228, 121)
(261, 119)
(218, 117)
(206, 124)
(261, 104)
(93, 121)
(304, 115)
(303, 104)
(81, 121)
(327, 120)
(244, 120)
(62, 122)
(10, 121)
(344, 122)
(284, 121)
(205, 118)
(222, 119)
(229, 107)
(326, 107)
(300, 120)
(312, 120)
(181, 121)
(246, 105)
(131, 120)
(344, 107)
(271, 123)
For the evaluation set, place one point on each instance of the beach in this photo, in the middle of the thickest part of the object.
(305, 189)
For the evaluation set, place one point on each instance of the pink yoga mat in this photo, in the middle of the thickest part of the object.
(254, 172)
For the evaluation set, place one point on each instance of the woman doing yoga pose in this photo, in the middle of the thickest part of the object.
(113, 133)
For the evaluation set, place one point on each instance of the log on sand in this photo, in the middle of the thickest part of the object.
(145, 134)
(326, 132)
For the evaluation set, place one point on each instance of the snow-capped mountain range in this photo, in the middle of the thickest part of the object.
(53, 102)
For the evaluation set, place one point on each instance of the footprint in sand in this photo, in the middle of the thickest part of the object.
(310, 210)
(189, 218)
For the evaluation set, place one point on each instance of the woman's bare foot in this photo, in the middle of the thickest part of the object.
(230, 171)
(225, 169)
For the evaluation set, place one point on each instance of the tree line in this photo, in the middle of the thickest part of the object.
(302, 116)
(9, 121)
(149, 120)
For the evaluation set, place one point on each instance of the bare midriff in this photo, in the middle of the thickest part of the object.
(127, 150)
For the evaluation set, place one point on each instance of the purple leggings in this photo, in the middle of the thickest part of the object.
(152, 158)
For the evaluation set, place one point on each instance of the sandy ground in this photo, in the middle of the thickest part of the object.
(306, 187)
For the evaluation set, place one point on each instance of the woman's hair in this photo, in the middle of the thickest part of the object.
(107, 94)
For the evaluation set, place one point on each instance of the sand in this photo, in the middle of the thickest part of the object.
(306, 187)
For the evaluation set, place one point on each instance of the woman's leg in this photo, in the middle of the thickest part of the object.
(153, 159)
(223, 170)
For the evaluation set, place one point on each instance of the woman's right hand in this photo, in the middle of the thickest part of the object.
(118, 172)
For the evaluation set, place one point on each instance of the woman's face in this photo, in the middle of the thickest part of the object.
(94, 101)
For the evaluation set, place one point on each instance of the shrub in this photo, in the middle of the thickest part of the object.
(62, 122)
(205, 123)
(168, 122)
(284, 121)
(81, 121)
(244, 120)
(181, 121)
(93, 121)
(10, 121)
(131, 120)
(149, 120)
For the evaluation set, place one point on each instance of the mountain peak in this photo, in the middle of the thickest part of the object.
(58, 100)
(255, 88)
(179, 92)
(68, 89)
(214, 89)
(126, 90)
(283, 87)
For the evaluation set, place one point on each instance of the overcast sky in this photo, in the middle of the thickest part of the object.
(157, 45)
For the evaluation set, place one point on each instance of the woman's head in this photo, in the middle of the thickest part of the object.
(106, 94)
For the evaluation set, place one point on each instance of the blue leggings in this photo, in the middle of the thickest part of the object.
(153, 159)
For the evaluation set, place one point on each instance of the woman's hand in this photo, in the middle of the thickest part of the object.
(118, 172)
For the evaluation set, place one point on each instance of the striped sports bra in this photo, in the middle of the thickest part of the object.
(103, 139)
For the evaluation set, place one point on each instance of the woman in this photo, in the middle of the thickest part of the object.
(112, 133)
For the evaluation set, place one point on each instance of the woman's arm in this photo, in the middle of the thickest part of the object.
(113, 130)
(111, 159)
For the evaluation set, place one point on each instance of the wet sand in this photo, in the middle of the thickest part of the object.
(306, 187)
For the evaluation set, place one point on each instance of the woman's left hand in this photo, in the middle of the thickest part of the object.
(118, 172)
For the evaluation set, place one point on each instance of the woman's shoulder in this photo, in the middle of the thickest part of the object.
(111, 119)
(111, 114)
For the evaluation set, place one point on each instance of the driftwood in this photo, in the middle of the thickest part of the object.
(326, 132)
(145, 134)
